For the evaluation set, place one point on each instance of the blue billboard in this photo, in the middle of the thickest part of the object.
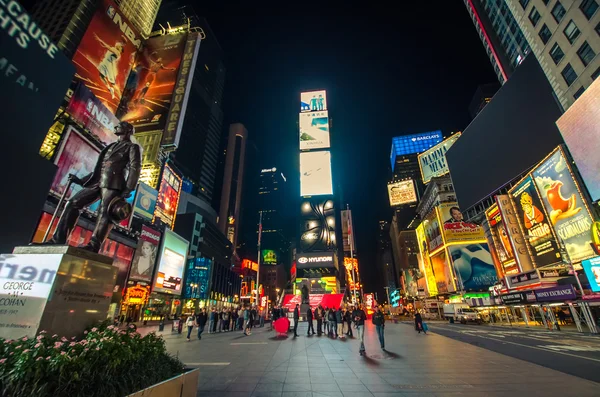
(592, 271)
(197, 278)
(415, 143)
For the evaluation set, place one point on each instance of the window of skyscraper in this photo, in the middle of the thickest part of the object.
(524, 3)
(545, 2)
(578, 93)
(589, 8)
(597, 28)
(572, 32)
(534, 16)
(586, 53)
(596, 74)
(568, 73)
(558, 12)
(556, 53)
(545, 34)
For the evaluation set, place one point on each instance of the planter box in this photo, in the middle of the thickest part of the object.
(184, 385)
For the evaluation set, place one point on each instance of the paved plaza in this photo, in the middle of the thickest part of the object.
(234, 365)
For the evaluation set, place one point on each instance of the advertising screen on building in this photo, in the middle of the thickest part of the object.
(591, 267)
(455, 228)
(269, 257)
(433, 162)
(473, 266)
(533, 222)
(315, 173)
(315, 260)
(313, 101)
(580, 128)
(347, 236)
(425, 263)
(171, 263)
(500, 236)
(314, 130)
(168, 197)
(401, 193)
(145, 201)
(514, 233)
(197, 278)
(442, 272)
(568, 213)
(248, 264)
(411, 144)
(106, 53)
(145, 255)
(433, 232)
(88, 110)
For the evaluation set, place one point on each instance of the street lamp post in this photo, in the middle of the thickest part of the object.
(259, 255)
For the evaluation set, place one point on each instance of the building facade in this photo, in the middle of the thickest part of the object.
(141, 13)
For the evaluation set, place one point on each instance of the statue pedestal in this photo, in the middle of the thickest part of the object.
(60, 289)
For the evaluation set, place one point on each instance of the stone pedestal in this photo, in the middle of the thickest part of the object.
(60, 289)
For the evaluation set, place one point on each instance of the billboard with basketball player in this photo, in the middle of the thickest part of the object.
(106, 53)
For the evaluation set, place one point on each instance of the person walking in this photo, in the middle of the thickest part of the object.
(333, 322)
(309, 318)
(326, 320)
(359, 318)
(319, 315)
(211, 320)
(419, 323)
(349, 321)
(247, 321)
(296, 318)
(190, 325)
(201, 322)
(379, 322)
(339, 319)
(241, 322)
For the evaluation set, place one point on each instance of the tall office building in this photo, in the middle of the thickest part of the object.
(500, 34)
(275, 219)
(141, 13)
(233, 180)
(385, 260)
(483, 95)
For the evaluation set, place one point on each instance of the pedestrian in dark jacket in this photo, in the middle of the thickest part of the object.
(319, 314)
(296, 319)
(419, 323)
(359, 317)
(201, 322)
(379, 322)
(309, 318)
(349, 321)
(339, 319)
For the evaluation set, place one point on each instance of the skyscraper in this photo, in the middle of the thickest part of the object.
(233, 180)
(141, 13)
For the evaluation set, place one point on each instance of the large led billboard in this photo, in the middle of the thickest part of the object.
(565, 206)
(433, 161)
(314, 130)
(145, 255)
(88, 110)
(171, 263)
(442, 272)
(473, 266)
(318, 225)
(580, 128)
(168, 197)
(145, 201)
(313, 101)
(106, 53)
(315, 173)
(401, 193)
(455, 228)
(591, 267)
(415, 143)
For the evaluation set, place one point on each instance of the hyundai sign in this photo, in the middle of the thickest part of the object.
(314, 260)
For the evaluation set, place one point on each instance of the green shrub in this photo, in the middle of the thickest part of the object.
(106, 362)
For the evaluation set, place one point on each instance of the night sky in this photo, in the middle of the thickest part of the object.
(386, 75)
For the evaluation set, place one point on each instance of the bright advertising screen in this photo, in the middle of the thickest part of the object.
(455, 228)
(402, 192)
(269, 257)
(565, 206)
(473, 266)
(314, 130)
(92, 114)
(106, 53)
(433, 162)
(168, 197)
(172, 260)
(443, 274)
(145, 201)
(411, 144)
(580, 128)
(145, 255)
(313, 101)
(425, 262)
(591, 267)
(315, 173)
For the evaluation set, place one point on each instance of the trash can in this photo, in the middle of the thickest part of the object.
(161, 326)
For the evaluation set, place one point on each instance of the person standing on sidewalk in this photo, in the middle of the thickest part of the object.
(339, 319)
(379, 322)
(359, 317)
(309, 318)
(419, 323)
(201, 322)
(296, 318)
(190, 325)
(348, 319)
(211, 320)
(319, 315)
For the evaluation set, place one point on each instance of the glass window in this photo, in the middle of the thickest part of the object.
(545, 34)
(558, 12)
(556, 53)
(534, 16)
(524, 3)
(597, 28)
(545, 2)
(586, 53)
(596, 74)
(572, 32)
(568, 73)
(589, 7)
(578, 93)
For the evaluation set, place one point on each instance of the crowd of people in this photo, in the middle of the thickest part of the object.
(224, 320)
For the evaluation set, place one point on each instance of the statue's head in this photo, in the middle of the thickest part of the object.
(124, 128)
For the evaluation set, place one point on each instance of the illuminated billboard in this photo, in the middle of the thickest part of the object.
(433, 232)
(591, 268)
(455, 228)
(473, 266)
(315, 173)
(318, 225)
(145, 255)
(442, 273)
(269, 257)
(90, 112)
(248, 264)
(433, 162)
(411, 144)
(425, 261)
(145, 201)
(500, 242)
(106, 52)
(580, 128)
(197, 278)
(565, 206)
(313, 101)
(513, 232)
(168, 197)
(171, 263)
(314, 130)
(401, 193)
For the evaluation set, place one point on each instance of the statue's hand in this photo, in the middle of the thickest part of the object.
(126, 194)
(75, 179)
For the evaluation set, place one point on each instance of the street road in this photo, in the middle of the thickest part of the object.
(568, 352)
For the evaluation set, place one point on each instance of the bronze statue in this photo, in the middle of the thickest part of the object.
(305, 297)
(107, 183)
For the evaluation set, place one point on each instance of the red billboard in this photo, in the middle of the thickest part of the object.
(168, 197)
(106, 53)
(89, 111)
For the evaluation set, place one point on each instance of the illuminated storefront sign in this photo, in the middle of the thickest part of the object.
(137, 295)
(248, 264)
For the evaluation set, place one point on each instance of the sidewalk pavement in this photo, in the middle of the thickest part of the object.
(234, 365)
